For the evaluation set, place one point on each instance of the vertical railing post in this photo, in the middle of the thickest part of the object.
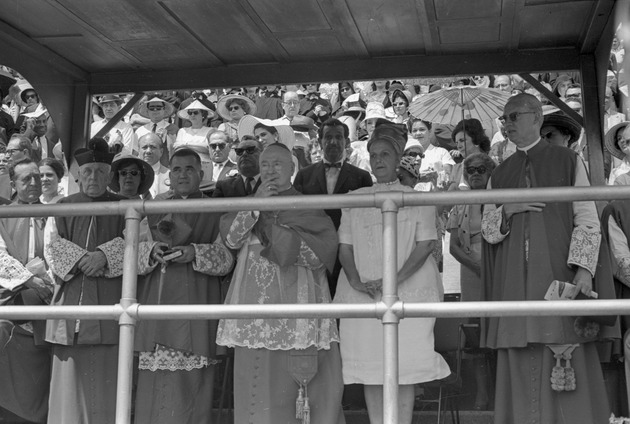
(127, 323)
(390, 319)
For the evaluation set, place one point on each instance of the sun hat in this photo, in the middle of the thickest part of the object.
(355, 107)
(39, 111)
(223, 101)
(610, 142)
(412, 142)
(108, 98)
(143, 109)
(147, 172)
(375, 110)
(195, 105)
(557, 118)
(409, 164)
(406, 93)
(248, 122)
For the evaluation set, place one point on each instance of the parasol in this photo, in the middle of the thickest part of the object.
(451, 105)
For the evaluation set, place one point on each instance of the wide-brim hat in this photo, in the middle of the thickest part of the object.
(39, 111)
(24, 87)
(108, 98)
(147, 170)
(195, 105)
(285, 132)
(97, 151)
(560, 119)
(375, 110)
(143, 109)
(303, 123)
(355, 107)
(222, 105)
(609, 140)
(406, 93)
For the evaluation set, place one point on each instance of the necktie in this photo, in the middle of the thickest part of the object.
(332, 165)
(154, 129)
(248, 185)
(332, 173)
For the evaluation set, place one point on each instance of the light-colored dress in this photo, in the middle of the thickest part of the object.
(362, 339)
(196, 139)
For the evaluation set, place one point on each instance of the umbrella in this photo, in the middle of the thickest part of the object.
(451, 105)
(6, 81)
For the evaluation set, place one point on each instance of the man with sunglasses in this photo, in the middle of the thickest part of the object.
(247, 181)
(158, 111)
(220, 147)
(530, 245)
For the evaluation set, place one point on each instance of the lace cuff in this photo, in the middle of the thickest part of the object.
(491, 225)
(114, 251)
(212, 259)
(584, 248)
(240, 228)
(62, 255)
(623, 271)
(12, 273)
(307, 258)
(145, 264)
(168, 359)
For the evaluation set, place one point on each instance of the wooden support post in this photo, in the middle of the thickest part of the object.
(593, 114)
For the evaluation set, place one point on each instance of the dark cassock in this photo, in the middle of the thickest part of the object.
(178, 357)
(283, 257)
(24, 356)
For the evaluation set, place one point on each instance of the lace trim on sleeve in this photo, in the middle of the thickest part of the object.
(145, 264)
(12, 273)
(115, 252)
(307, 258)
(623, 271)
(584, 248)
(212, 259)
(62, 255)
(240, 228)
(169, 359)
(491, 225)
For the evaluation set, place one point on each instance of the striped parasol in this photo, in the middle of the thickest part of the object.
(451, 105)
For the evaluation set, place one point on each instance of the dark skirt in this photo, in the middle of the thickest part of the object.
(265, 392)
(524, 394)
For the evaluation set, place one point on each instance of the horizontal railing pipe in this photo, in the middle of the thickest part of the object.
(28, 312)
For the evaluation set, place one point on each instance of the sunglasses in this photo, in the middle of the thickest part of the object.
(249, 150)
(31, 96)
(231, 108)
(193, 112)
(470, 170)
(216, 146)
(512, 117)
(133, 173)
(415, 154)
(155, 107)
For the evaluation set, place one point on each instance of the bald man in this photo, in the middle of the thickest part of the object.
(151, 150)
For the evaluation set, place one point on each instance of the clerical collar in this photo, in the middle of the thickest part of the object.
(527, 148)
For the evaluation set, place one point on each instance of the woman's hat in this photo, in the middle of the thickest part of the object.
(285, 132)
(556, 118)
(409, 164)
(375, 110)
(412, 142)
(195, 105)
(355, 107)
(222, 105)
(406, 93)
(395, 134)
(610, 140)
(143, 110)
(24, 87)
(147, 172)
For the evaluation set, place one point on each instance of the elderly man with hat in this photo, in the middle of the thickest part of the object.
(37, 129)
(121, 136)
(85, 255)
(158, 111)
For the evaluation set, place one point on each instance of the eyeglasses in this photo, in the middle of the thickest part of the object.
(216, 146)
(193, 112)
(292, 103)
(31, 96)
(10, 152)
(470, 170)
(231, 108)
(133, 173)
(155, 108)
(512, 116)
(415, 154)
(249, 150)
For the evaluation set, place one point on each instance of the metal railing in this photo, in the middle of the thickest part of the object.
(390, 309)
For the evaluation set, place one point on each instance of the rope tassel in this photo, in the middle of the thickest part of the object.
(563, 378)
(299, 404)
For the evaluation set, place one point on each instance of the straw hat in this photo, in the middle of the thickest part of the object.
(556, 118)
(147, 170)
(409, 164)
(609, 140)
(108, 98)
(248, 122)
(375, 110)
(143, 110)
(222, 105)
(196, 105)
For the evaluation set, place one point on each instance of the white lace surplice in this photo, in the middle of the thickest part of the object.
(259, 281)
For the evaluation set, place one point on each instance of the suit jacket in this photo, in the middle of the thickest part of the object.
(229, 165)
(232, 187)
(312, 180)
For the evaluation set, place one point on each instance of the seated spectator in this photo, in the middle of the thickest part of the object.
(232, 108)
(503, 83)
(470, 138)
(560, 85)
(247, 181)
(151, 151)
(399, 111)
(131, 177)
(159, 112)
(51, 172)
(344, 90)
(617, 142)
(19, 147)
(121, 137)
(436, 158)
(559, 129)
(313, 105)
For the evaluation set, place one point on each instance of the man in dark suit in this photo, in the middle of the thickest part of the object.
(333, 175)
(222, 167)
(247, 180)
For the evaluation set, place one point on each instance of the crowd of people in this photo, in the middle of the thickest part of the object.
(349, 137)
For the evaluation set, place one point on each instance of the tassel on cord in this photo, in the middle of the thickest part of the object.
(557, 375)
(569, 373)
(306, 418)
(299, 403)
(563, 378)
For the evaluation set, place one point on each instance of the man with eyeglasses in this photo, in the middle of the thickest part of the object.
(121, 136)
(24, 357)
(529, 246)
(37, 131)
(219, 146)
(151, 150)
(291, 106)
(247, 181)
(158, 111)
(19, 147)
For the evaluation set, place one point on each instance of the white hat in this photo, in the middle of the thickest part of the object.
(222, 105)
(375, 110)
(248, 122)
(196, 105)
(169, 109)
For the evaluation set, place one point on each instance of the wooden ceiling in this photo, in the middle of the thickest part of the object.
(118, 45)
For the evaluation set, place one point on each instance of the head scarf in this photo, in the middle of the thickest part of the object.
(395, 134)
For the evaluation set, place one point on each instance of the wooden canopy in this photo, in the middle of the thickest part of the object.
(70, 49)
